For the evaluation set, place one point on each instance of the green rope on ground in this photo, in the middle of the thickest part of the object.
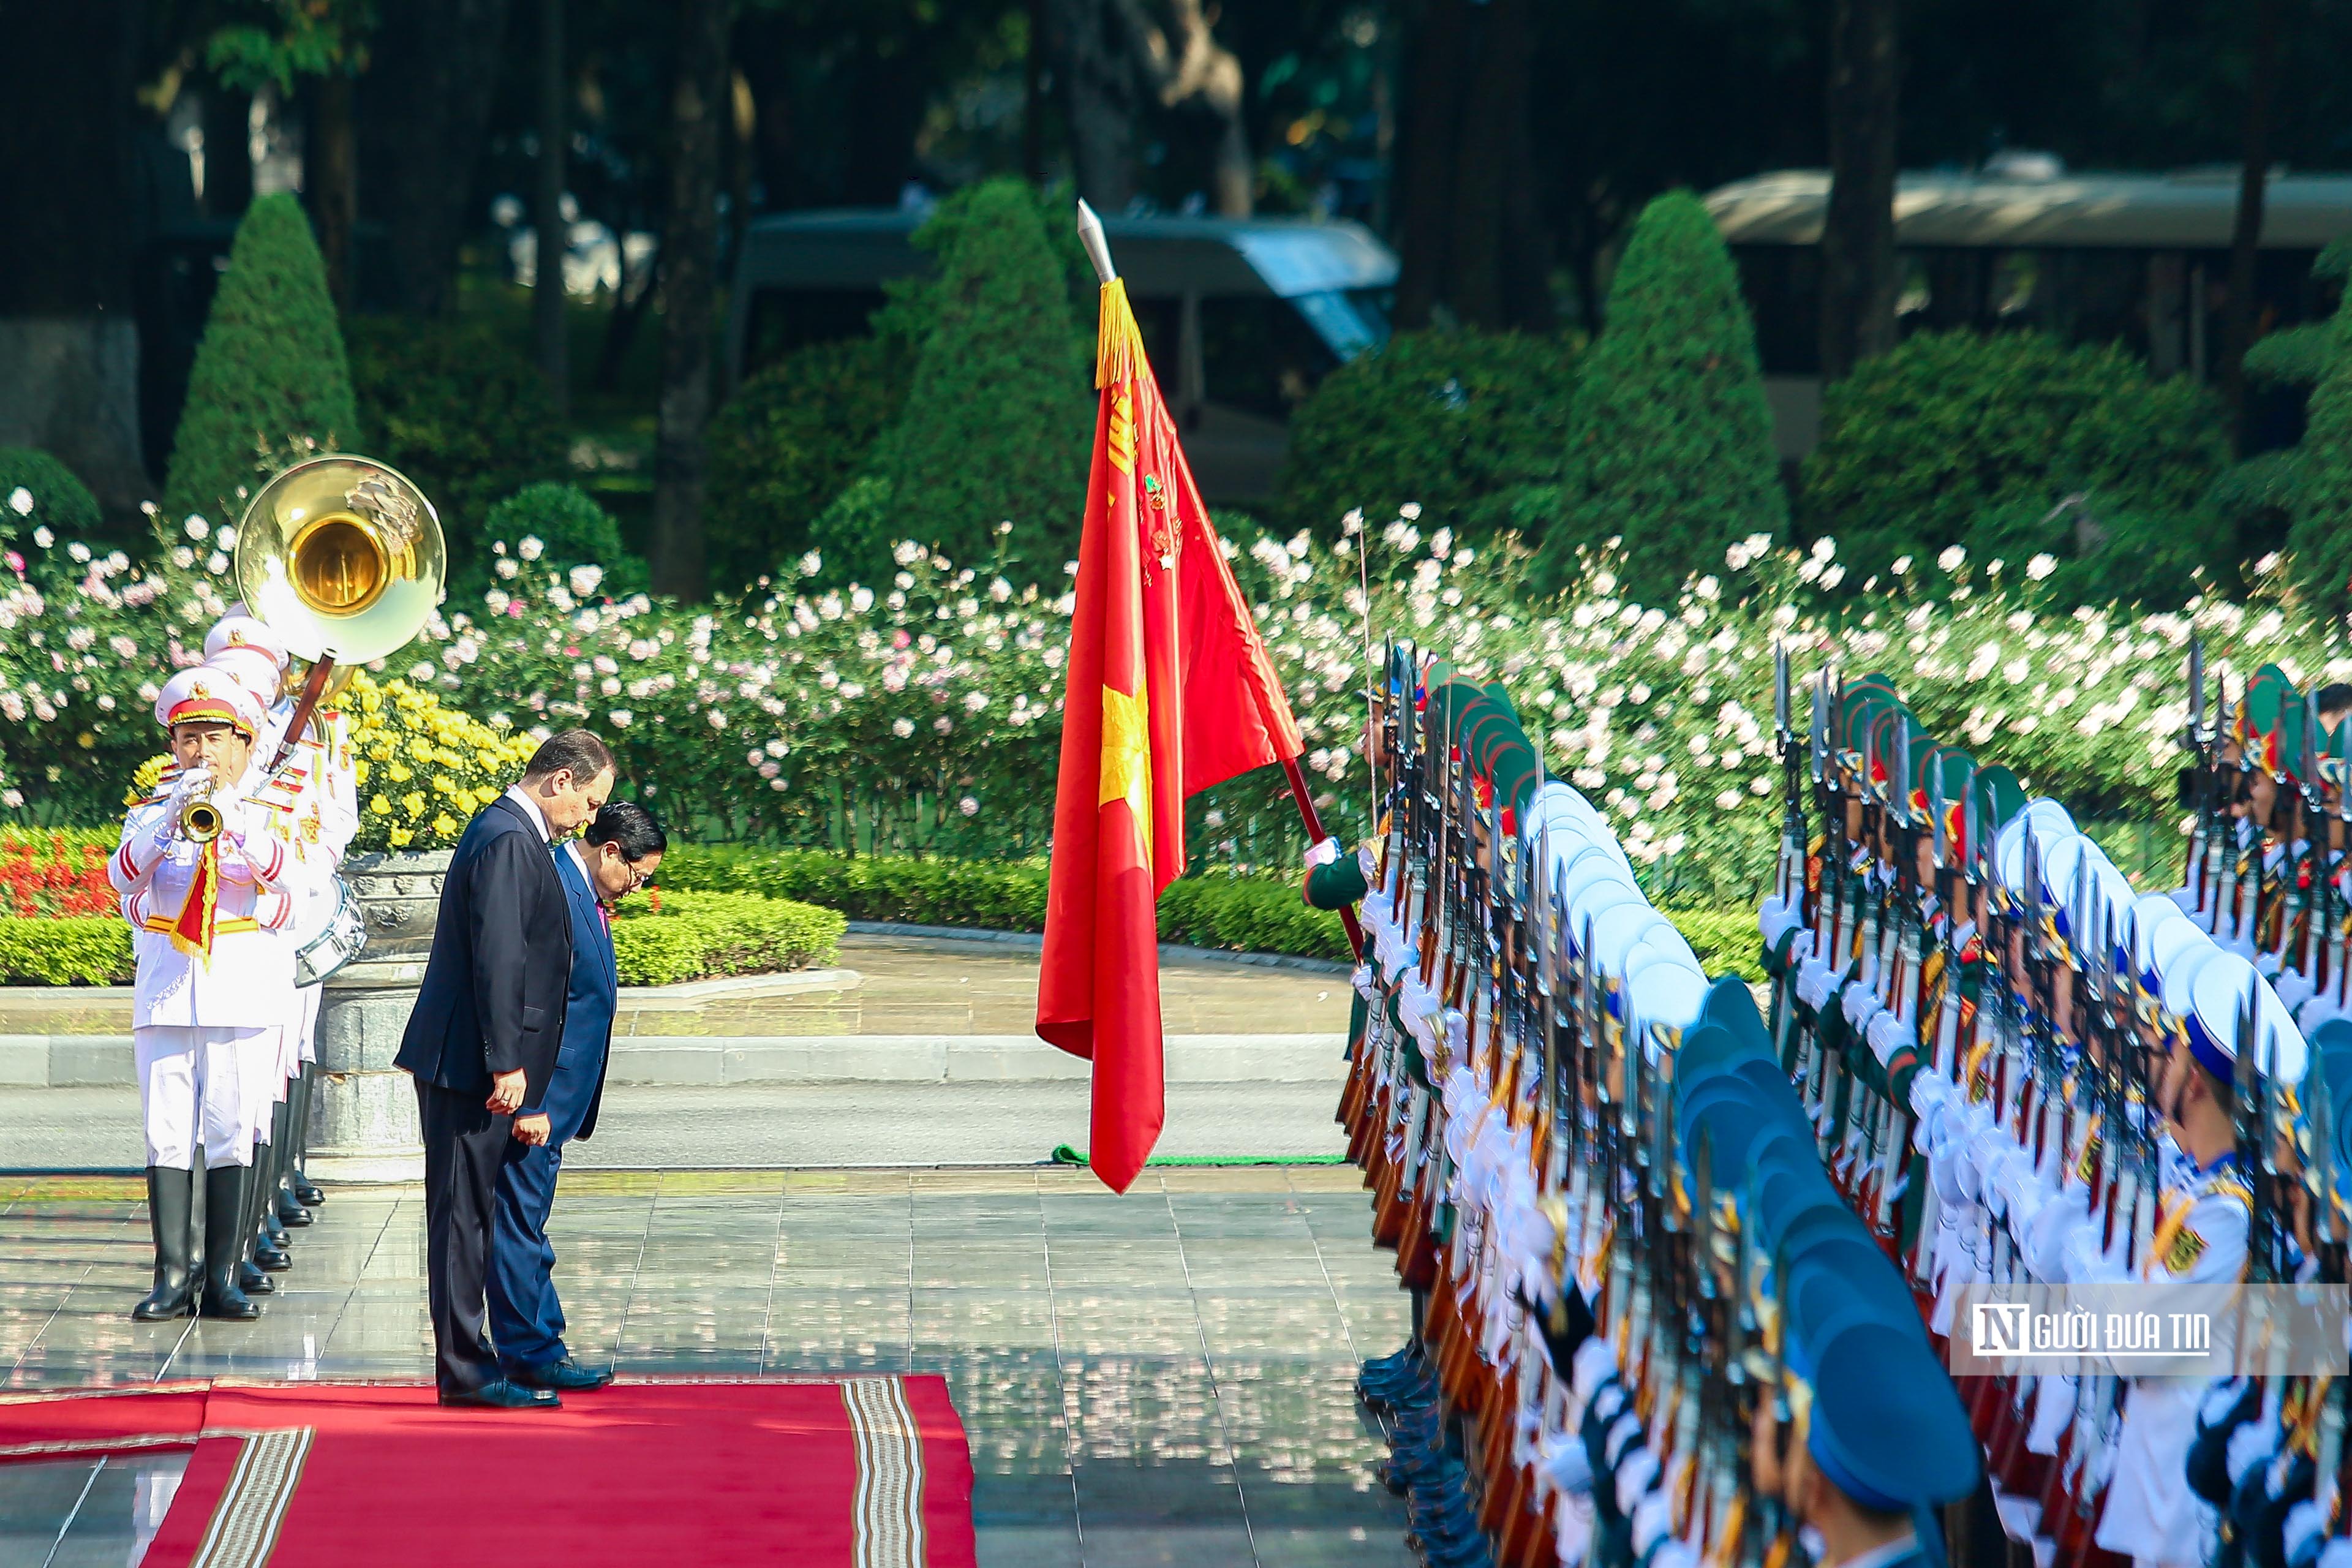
(1064, 1154)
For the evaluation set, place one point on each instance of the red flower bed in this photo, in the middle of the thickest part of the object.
(54, 874)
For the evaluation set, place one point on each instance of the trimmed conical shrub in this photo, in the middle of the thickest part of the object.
(2321, 537)
(1669, 442)
(999, 423)
(269, 371)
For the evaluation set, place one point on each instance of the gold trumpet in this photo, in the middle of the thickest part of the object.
(200, 821)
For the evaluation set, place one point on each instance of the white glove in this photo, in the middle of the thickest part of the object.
(1323, 853)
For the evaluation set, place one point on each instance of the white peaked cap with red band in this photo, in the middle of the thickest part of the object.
(242, 631)
(206, 695)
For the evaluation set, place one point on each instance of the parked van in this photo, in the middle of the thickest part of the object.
(1242, 316)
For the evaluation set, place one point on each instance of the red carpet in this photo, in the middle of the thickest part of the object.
(867, 1472)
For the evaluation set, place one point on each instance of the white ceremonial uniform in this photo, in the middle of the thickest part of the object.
(195, 1014)
(2151, 1516)
(318, 801)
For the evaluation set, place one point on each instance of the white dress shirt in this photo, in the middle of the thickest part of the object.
(531, 807)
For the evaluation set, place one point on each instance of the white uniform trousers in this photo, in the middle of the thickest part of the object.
(307, 1047)
(263, 1058)
(191, 1085)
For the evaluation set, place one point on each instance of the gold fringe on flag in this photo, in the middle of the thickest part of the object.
(1118, 346)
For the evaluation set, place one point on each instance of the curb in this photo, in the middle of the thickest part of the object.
(1033, 942)
(664, 1061)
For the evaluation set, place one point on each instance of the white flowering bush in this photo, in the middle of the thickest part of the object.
(925, 711)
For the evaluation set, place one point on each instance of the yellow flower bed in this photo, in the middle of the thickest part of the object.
(423, 769)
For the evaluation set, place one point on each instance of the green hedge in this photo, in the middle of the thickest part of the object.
(697, 935)
(70, 950)
(1251, 914)
(1726, 940)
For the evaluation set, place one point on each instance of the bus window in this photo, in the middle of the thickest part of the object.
(1260, 355)
(782, 320)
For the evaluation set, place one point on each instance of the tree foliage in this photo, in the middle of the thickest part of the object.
(1447, 420)
(1669, 442)
(1916, 443)
(454, 408)
(2321, 536)
(53, 498)
(270, 367)
(789, 443)
(1000, 418)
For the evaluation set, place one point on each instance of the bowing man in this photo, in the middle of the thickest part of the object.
(620, 851)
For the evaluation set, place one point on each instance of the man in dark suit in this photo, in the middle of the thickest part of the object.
(613, 860)
(483, 1039)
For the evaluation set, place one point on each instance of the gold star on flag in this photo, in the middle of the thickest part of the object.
(1126, 756)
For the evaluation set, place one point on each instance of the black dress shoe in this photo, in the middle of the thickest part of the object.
(275, 1260)
(253, 1281)
(308, 1193)
(567, 1375)
(503, 1394)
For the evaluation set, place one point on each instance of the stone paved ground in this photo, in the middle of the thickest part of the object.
(1162, 1378)
(906, 986)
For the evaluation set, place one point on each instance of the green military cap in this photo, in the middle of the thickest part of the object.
(1337, 885)
(1870, 691)
(2268, 699)
(1884, 1424)
(1516, 775)
(1502, 694)
(1483, 726)
(1998, 798)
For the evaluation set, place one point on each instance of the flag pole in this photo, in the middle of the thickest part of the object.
(1097, 249)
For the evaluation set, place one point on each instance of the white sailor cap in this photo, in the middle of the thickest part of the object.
(245, 631)
(2178, 958)
(202, 695)
(2220, 997)
(1664, 996)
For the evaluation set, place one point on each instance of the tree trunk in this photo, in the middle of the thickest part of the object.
(551, 232)
(228, 152)
(764, 48)
(2238, 320)
(1440, 50)
(425, 105)
(1097, 82)
(1859, 278)
(1193, 65)
(332, 170)
(1033, 95)
(699, 104)
(69, 347)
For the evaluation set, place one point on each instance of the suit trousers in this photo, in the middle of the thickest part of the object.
(526, 1317)
(464, 1145)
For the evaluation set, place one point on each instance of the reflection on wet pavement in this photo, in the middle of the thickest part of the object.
(1163, 1377)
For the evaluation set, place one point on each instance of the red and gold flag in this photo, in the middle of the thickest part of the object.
(1170, 692)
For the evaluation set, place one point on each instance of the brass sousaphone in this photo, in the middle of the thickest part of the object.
(342, 557)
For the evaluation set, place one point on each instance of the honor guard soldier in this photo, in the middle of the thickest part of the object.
(314, 795)
(203, 876)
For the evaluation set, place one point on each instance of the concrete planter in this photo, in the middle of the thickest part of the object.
(363, 1120)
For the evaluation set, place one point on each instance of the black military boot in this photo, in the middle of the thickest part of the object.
(268, 1245)
(281, 1203)
(170, 1196)
(224, 1234)
(305, 1192)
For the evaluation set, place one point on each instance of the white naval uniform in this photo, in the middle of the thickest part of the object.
(196, 1019)
(2151, 1516)
(316, 805)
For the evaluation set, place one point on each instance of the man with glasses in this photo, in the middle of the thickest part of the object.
(614, 860)
(484, 1038)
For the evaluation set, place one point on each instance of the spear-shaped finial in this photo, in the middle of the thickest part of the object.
(1090, 235)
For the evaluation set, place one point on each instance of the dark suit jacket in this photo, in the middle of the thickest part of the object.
(492, 999)
(577, 1089)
